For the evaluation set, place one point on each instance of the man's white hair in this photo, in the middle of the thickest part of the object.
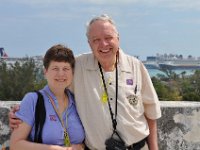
(103, 17)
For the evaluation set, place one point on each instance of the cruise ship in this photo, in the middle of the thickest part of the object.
(173, 62)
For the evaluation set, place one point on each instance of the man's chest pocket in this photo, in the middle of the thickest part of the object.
(131, 93)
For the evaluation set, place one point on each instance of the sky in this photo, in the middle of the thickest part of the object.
(146, 27)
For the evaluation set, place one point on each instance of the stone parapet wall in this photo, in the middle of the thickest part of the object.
(4, 128)
(178, 128)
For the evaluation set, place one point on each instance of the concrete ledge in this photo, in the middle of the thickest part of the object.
(178, 128)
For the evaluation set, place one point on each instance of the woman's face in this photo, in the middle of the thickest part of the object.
(59, 74)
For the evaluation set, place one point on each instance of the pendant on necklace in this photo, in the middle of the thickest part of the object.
(104, 98)
(66, 139)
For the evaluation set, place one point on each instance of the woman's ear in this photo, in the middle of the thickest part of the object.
(44, 71)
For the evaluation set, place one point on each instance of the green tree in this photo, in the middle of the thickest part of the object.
(17, 79)
(166, 91)
(167, 85)
(191, 87)
(172, 86)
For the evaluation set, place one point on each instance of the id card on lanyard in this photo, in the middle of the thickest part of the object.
(67, 142)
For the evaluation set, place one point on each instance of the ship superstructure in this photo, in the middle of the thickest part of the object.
(172, 62)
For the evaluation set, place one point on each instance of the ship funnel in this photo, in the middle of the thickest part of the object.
(3, 53)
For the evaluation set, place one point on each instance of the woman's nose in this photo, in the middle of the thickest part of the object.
(61, 72)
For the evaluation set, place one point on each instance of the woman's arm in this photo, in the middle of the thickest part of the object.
(18, 140)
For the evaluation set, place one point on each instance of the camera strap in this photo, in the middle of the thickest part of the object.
(113, 117)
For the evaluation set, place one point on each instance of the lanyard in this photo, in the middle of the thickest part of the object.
(66, 135)
(114, 121)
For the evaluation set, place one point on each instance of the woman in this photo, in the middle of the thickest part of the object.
(62, 129)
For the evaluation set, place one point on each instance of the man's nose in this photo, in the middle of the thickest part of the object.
(103, 42)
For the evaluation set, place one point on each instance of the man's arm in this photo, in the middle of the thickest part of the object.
(18, 141)
(21, 132)
(13, 120)
(152, 139)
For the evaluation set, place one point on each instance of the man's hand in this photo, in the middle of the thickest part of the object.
(13, 120)
(78, 146)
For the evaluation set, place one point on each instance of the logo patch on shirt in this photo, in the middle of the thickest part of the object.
(133, 99)
(129, 81)
(52, 117)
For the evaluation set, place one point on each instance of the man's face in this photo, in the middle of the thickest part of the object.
(104, 41)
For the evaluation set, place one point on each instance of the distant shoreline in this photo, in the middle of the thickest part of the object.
(154, 72)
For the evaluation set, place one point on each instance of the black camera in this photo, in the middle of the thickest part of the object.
(115, 144)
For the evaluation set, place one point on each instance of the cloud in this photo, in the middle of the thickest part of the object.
(194, 21)
(36, 2)
(182, 4)
(111, 1)
(172, 4)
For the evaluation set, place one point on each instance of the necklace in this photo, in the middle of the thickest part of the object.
(66, 135)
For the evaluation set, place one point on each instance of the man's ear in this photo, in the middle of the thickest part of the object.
(89, 44)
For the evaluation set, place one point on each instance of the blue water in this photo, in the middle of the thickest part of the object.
(154, 72)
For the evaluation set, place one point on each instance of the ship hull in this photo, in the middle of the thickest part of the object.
(181, 67)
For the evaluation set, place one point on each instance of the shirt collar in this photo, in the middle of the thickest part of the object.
(124, 62)
(69, 94)
(92, 63)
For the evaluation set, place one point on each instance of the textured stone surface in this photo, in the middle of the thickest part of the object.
(178, 128)
(4, 128)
